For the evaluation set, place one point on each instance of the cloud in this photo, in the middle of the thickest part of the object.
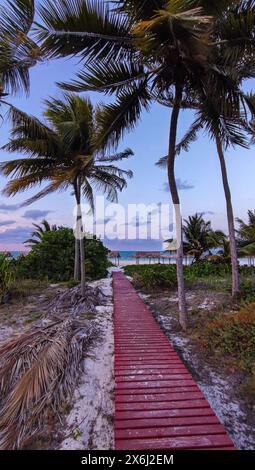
(4, 223)
(182, 185)
(36, 214)
(208, 213)
(15, 235)
(9, 207)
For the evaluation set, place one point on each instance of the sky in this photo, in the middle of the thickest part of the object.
(197, 171)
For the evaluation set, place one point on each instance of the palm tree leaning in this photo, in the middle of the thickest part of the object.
(148, 51)
(207, 117)
(18, 52)
(141, 51)
(39, 231)
(226, 121)
(61, 152)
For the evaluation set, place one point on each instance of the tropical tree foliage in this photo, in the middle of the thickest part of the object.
(199, 237)
(61, 152)
(18, 52)
(174, 52)
(246, 235)
(38, 233)
(53, 258)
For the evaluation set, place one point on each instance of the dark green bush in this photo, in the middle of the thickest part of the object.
(164, 276)
(207, 268)
(153, 276)
(53, 258)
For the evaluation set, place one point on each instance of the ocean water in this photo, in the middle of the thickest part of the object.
(15, 254)
(127, 257)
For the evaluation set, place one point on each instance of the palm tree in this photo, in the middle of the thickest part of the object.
(38, 233)
(246, 235)
(205, 118)
(141, 51)
(199, 237)
(18, 52)
(145, 51)
(233, 36)
(61, 151)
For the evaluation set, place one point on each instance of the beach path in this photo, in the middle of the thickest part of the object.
(158, 404)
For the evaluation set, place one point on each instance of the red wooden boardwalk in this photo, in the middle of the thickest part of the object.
(158, 405)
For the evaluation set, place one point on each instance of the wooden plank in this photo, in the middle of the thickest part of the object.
(187, 442)
(153, 383)
(161, 422)
(169, 431)
(156, 391)
(142, 371)
(151, 377)
(162, 405)
(203, 410)
(137, 398)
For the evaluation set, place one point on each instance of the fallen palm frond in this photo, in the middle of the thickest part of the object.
(38, 373)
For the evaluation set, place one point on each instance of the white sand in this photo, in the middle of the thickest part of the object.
(90, 422)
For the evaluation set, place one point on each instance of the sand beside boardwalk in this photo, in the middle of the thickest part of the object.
(90, 421)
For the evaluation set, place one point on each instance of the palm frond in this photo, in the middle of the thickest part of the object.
(38, 373)
(107, 77)
(88, 29)
(17, 17)
(114, 119)
(28, 126)
(127, 153)
(87, 191)
(18, 52)
(236, 32)
(190, 137)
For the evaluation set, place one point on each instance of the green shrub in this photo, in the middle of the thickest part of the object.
(153, 276)
(53, 258)
(207, 268)
(96, 255)
(214, 275)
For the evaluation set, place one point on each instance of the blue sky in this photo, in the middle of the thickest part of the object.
(198, 170)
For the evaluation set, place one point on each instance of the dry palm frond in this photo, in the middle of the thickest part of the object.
(38, 372)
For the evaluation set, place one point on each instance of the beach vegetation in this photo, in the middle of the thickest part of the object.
(53, 258)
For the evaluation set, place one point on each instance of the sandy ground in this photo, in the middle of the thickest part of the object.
(220, 382)
(90, 421)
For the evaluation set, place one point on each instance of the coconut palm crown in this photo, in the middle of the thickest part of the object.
(61, 153)
(18, 51)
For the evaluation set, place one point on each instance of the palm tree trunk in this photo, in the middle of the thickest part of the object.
(231, 224)
(77, 270)
(81, 241)
(176, 201)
